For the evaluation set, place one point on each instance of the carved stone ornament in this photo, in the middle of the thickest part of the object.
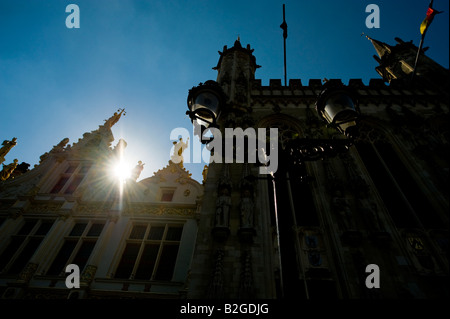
(92, 209)
(44, 208)
(246, 290)
(88, 274)
(158, 211)
(215, 290)
(28, 272)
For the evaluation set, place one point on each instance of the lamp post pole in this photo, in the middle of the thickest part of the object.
(278, 233)
(291, 202)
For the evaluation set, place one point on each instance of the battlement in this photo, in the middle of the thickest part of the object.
(377, 92)
(316, 84)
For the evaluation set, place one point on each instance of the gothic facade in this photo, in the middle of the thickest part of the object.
(318, 226)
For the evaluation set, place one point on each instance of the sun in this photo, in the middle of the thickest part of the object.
(121, 171)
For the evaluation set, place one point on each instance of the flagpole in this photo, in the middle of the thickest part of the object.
(284, 26)
(423, 29)
(417, 56)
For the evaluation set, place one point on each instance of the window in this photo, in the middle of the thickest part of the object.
(406, 203)
(150, 252)
(71, 178)
(167, 195)
(23, 245)
(77, 247)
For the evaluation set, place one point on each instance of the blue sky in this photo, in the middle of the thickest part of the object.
(143, 55)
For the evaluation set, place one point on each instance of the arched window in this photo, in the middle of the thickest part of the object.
(403, 197)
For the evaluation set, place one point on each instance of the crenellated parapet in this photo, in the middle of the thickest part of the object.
(377, 93)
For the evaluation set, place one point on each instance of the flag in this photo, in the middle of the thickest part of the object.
(284, 27)
(429, 18)
(423, 29)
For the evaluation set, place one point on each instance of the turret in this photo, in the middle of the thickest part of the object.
(397, 63)
(236, 69)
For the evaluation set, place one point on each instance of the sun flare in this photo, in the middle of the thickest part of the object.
(122, 171)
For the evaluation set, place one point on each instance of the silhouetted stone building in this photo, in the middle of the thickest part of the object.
(309, 232)
(383, 202)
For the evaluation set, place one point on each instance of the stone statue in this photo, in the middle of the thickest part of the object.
(247, 210)
(8, 169)
(178, 150)
(56, 149)
(205, 173)
(223, 205)
(6, 147)
(136, 172)
(342, 208)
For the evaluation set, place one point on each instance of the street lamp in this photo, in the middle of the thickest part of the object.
(337, 105)
(205, 103)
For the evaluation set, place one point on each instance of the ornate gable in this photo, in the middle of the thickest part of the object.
(175, 179)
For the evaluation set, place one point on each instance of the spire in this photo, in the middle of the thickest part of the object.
(397, 63)
(237, 43)
(382, 48)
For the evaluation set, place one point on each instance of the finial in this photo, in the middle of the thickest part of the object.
(122, 111)
(115, 118)
(363, 34)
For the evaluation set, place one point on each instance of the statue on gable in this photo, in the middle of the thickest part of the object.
(178, 150)
(22, 168)
(8, 169)
(136, 172)
(56, 149)
(6, 147)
